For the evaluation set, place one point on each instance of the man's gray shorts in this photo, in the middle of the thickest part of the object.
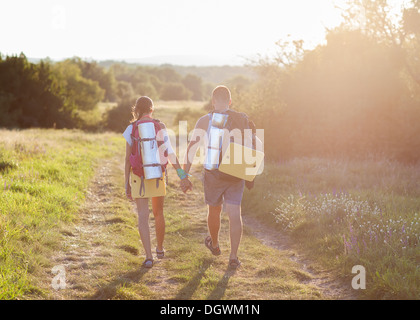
(218, 190)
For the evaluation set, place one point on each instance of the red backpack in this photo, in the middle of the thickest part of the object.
(136, 159)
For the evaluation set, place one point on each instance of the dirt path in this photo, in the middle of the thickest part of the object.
(100, 264)
(82, 251)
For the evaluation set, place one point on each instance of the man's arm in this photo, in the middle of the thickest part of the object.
(197, 136)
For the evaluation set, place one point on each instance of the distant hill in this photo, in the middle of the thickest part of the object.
(210, 69)
(216, 74)
(189, 60)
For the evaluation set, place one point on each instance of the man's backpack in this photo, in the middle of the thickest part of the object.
(236, 120)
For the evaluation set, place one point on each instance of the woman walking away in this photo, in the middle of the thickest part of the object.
(148, 150)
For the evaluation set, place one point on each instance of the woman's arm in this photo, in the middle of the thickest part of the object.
(127, 171)
(173, 159)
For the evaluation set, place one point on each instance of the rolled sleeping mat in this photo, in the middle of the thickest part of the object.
(218, 120)
(215, 139)
(149, 151)
(212, 159)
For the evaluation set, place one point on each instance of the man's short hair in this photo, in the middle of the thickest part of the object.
(221, 95)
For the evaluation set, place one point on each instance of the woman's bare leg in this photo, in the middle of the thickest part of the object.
(157, 205)
(143, 225)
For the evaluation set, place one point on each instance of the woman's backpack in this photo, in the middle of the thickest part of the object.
(136, 159)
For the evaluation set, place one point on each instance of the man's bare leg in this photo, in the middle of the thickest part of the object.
(235, 228)
(213, 224)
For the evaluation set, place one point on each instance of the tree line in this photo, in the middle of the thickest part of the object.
(357, 95)
(60, 94)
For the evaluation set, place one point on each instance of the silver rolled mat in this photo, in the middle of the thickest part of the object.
(215, 139)
(150, 151)
(219, 120)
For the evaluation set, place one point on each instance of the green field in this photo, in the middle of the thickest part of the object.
(44, 175)
(62, 204)
(346, 213)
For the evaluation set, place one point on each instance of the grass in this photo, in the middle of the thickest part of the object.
(43, 180)
(346, 213)
(44, 176)
(63, 205)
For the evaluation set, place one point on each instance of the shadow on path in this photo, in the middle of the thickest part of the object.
(220, 289)
(188, 290)
(109, 291)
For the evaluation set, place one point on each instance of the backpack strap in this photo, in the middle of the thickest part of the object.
(210, 121)
(151, 165)
(252, 126)
(134, 139)
(133, 129)
(142, 188)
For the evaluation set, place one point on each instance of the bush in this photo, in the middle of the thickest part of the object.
(350, 98)
(175, 91)
(118, 118)
(191, 116)
(195, 85)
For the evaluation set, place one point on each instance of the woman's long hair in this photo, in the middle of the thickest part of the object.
(143, 106)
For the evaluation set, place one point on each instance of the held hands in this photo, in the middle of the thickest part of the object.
(185, 182)
(186, 185)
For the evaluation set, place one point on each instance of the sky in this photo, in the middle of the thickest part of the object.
(227, 30)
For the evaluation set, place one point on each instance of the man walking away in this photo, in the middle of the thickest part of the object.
(220, 187)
